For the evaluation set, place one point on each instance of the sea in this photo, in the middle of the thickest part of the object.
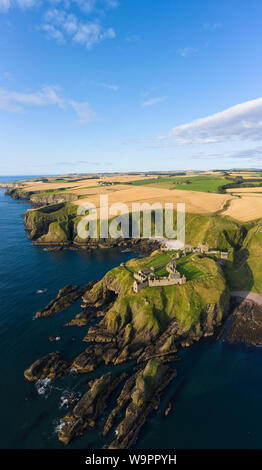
(216, 394)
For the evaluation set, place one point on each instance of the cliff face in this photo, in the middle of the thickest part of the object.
(16, 192)
(50, 224)
(217, 231)
(39, 198)
(42, 200)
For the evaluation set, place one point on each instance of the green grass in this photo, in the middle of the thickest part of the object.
(197, 183)
(152, 308)
(48, 192)
(186, 268)
(244, 268)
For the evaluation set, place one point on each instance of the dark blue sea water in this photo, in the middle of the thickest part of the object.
(219, 387)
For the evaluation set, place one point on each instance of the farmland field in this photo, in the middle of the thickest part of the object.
(196, 183)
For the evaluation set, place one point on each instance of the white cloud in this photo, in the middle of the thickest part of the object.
(17, 102)
(240, 122)
(254, 154)
(14, 101)
(92, 33)
(53, 33)
(187, 51)
(87, 6)
(153, 101)
(58, 24)
(5, 5)
(84, 112)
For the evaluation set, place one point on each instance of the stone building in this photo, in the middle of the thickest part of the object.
(147, 277)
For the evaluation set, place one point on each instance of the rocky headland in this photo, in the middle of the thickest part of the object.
(148, 328)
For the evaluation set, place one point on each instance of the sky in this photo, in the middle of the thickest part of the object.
(129, 85)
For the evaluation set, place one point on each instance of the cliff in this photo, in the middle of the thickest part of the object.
(51, 224)
(52, 198)
(218, 231)
(38, 198)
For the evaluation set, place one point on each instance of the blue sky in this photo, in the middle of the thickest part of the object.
(129, 85)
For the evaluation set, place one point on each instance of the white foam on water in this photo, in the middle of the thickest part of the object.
(43, 386)
(65, 399)
(58, 427)
(41, 291)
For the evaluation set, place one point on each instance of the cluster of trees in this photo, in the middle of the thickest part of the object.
(240, 182)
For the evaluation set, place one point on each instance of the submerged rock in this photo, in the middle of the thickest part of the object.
(81, 319)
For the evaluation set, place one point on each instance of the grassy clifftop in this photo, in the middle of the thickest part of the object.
(39, 222)
(151, 310)
(57, 224)
(219, 232)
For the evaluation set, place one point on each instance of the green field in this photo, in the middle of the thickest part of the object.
(187, 268)
(195, 183)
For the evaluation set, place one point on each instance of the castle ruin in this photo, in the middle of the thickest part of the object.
(147, 277)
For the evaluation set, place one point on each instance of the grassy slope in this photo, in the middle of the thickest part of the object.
(153, 307)
(39, 220)
(244, 268)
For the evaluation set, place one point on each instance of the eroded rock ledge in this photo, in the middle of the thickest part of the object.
(51, 366)
(65, 297)
(89, 408)
(245, 323)
(144, 398)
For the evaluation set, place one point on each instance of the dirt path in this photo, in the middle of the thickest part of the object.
(257, 298)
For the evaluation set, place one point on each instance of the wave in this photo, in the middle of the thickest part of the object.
(41, 291)
(43, 387)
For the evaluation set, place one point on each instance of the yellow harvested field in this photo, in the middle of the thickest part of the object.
(245, 208)
(245, 204)
(196, 201)
(86, 182)
(247, 175)
(91, 191)
(53, 186)
(245, 190)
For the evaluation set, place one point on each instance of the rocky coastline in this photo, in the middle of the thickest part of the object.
(245, 323)
(124, 335)
(147, 331)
